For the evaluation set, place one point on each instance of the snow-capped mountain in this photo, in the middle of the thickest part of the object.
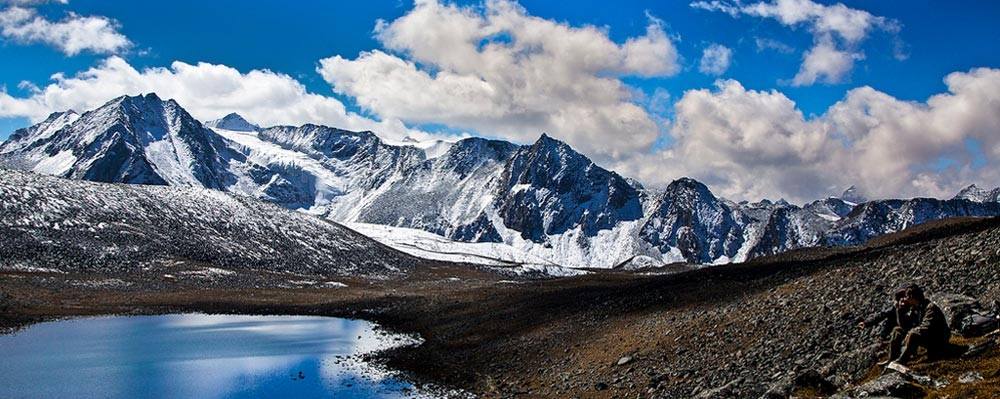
(138, 140)
(233, 122)
(544, 200)
(874, 218)
(975, 194)
(547, 189)
(853, 196)
(686, 219)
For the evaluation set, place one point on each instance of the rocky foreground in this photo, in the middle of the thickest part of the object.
(777, 327)
(753, 330)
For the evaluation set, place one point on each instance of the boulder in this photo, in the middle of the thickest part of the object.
(965, 315)
(955, 306)
(728, 390)
(891, 384)
(811, 380)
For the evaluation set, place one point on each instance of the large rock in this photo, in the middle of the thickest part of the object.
(965, 315)
(889, 385)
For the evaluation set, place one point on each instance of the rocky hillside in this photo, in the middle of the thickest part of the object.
(53, 223)
(772, 328)
(543, 199)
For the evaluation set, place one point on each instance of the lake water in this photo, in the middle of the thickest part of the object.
(197, 356)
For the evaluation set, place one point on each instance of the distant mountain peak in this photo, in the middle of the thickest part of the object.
(233, 121)
(134, 100)
(549, 142)
(688, 189)
(558, 153)
(687, 183)
(976, 194)
(852, 194)
(56, 115)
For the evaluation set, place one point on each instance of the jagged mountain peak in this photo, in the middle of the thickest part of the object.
(138, 101)
(323, 139)
(854, 195)
(142, 106)
(478, 144)
(234, 122)
(547, 142)
(548, 188)
(687, 183)
(975, 193)
(56, 115)
(686, 189)
(140, 139)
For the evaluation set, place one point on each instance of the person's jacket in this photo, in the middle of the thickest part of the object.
(926, 320)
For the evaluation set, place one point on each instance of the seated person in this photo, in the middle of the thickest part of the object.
(919, 323)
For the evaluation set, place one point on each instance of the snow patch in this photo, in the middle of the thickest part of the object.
(427, 245)
(57, 164)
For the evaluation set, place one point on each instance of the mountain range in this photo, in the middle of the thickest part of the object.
(544, 199)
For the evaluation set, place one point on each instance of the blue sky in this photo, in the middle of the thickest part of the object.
(940, 37)
(937, 38)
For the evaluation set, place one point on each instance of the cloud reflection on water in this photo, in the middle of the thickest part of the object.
(197, 355)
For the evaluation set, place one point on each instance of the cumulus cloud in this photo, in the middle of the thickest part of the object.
(499, 71)
(749, 144)
(208, 91)
(825, 63)
(71, 35)
(837, 30)
(715, 59)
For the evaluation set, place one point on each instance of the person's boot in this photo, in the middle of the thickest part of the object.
(906, 355)
(894, 352)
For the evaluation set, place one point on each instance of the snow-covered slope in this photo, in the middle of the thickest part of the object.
(71, 225)
(544, 201)
(427, 245)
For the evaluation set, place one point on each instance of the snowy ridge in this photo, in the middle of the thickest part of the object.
(543, 203)
(427, 245)
(975, 194)
(64, 224)
(233, 122)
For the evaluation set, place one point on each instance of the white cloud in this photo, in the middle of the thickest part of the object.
(715, 59)
(771, 44)
(497, 70)
(32, 2)
(825, 63)
(71, 35)
(208, 91)
(837, 30)
(748, 144)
